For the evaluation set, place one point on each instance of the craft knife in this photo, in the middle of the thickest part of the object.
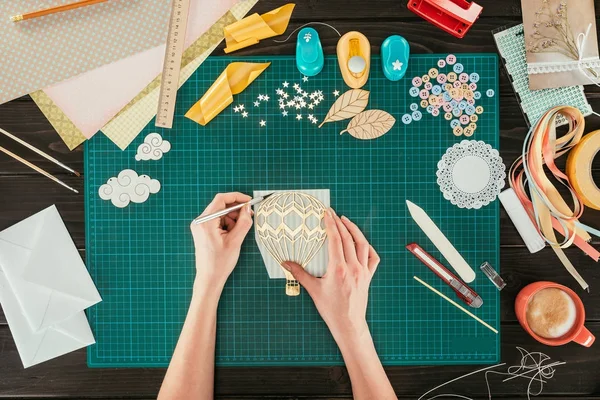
(463, 291)
(204, 218)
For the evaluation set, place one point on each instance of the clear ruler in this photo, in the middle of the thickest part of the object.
(172, 65)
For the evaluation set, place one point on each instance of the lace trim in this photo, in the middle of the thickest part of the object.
(550, 67)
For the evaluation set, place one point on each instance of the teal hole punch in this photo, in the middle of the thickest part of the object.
(395, 52)
(309, 52)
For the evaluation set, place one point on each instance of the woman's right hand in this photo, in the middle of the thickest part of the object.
(341, 295)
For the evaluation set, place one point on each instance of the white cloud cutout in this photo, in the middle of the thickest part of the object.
(128, 187)
(153, 148)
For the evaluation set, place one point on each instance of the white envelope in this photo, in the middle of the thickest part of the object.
(45, 287)
(46, 344)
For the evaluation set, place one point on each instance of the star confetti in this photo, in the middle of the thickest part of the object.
(279, 92)
(299, 117)
(261, 97)
(263, 122)
(266, 97)
(245, 114)
(311, 106)
(285, 95)
(336, 93)
(241, 107)
(305, 79)
(256, 103)
(284, 113)
(236, 109)
(285, 84)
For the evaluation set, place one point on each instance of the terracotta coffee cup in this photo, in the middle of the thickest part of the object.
(578, 333)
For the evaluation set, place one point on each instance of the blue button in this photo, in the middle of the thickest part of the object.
(470, 110)
(437, 89)
(474, 77)
(456, 112)
(477, 95)
(489, 93)
(454, 123)
(416, 116)
(462, 105)
(429, 108)
(407, 119)
(454, 103)
(458, 68)
(414, 107)
(447, 96)
(414, 92)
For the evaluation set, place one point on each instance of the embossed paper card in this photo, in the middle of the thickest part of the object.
(561, 43)
(50, 49)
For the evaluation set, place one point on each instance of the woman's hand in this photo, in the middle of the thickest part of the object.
(218, 242)
(341, 295)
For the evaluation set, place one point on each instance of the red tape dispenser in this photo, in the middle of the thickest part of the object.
(454, 16)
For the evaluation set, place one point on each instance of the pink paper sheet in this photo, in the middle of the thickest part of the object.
(93, 98)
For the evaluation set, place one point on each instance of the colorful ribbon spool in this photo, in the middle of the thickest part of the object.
(579, 169)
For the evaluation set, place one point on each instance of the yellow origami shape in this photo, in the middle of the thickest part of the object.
(253, 28)
(236, 77)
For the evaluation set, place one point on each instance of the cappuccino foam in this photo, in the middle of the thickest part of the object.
(551, 313)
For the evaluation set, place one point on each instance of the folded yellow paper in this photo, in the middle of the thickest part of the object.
(236, 77)
(256, 27)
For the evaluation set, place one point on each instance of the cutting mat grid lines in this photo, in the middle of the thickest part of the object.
(142, 257)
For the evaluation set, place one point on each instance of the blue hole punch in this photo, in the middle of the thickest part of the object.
(395, 52)
(309, 52)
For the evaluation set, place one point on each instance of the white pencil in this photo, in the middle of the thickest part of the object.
(455, 304)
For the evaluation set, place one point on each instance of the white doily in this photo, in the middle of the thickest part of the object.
(471, 174)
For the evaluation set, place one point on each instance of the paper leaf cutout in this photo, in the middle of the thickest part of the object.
(347, 105)
(370, 124)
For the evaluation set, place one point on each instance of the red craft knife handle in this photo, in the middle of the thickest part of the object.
(455, 285)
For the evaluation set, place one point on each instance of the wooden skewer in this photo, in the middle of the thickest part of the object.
(41, 153)
(36, 168)
(53, 10)
(455, 304)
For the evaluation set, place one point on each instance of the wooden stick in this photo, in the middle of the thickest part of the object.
(54, 10)
(36, 168)
(461, 308)
(41, 153)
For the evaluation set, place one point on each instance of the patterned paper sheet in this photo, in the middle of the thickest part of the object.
(50, 49)
(130, 121)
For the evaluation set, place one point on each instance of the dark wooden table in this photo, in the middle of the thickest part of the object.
(23, 192)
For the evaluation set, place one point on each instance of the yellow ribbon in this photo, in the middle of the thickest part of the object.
(234, 79)
(253, 28)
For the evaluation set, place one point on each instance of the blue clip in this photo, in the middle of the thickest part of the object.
(309, 52)
(394, 57)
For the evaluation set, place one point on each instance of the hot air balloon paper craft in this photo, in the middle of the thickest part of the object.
(289, 227)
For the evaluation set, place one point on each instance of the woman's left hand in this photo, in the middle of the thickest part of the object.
(218, 242)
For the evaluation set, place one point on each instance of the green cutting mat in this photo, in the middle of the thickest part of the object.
(142, 257)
